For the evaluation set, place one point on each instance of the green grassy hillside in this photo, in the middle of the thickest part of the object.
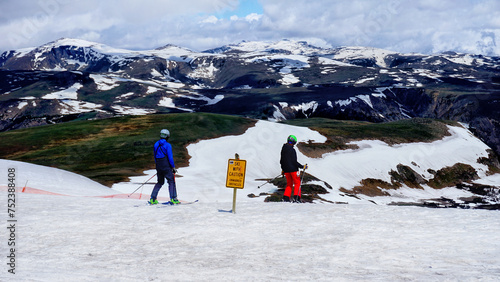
(109, 150)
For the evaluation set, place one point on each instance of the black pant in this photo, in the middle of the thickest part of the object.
(164, 171)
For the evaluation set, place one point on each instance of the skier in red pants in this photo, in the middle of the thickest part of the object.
(290, 168)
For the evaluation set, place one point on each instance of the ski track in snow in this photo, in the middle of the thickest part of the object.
(85, 237)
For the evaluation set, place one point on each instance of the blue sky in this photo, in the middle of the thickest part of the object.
(243, 9)
(423, 26)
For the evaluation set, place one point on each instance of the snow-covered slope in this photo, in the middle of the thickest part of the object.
(61, 238)
(204, 178)
(168, 51)
(95, 239)
(52, 180)
(363, 53)
(253, 48)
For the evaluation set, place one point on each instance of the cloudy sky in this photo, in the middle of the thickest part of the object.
(425, 26)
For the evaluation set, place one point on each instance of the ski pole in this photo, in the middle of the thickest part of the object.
(142, 185)
(302, 178)
(268, 181)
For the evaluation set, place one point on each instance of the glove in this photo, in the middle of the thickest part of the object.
(305, 167)
(282, 173)
(174, 171)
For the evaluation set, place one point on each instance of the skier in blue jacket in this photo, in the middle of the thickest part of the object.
(165, 168)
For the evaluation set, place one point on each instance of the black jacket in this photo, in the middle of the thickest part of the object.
(288, 159)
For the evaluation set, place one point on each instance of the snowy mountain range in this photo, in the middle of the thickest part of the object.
(68, 226)
(75, 79)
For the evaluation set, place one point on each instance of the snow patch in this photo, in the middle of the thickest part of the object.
(277, 115)
(353, 53)
(156, 73)
(260, 47)
(166, 102)
(331, 62)
(105, 82)
(215, 100)
(70, 93)
(243, 87)
(175, 85)
(205, 69)
(346, 102)
(492, 180)
(199, 97)
(289, 79)
(126, 110)
(22, 105)
(313, 105)
(366, 99)
(463, 59)
(152, 89)
(125, 96)
(75, 107)
(428, 73)
(361, 81)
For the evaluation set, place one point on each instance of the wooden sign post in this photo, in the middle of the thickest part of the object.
(235, 176)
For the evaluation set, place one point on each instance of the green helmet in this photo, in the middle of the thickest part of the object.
(292, 139)
(164, 133)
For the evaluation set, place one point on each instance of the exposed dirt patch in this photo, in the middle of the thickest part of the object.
(452, 176)
(371, 187)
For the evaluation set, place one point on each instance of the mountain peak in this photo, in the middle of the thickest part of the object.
(172, 47)
(81, 43)
(64, 41)
(282, 46)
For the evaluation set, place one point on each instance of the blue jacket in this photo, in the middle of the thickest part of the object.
(163, 150)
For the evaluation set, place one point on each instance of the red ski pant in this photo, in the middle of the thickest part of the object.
(292, 182)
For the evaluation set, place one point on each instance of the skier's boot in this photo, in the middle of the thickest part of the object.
(153, 201)
(286, 199)
(296, 199)
(174, 201)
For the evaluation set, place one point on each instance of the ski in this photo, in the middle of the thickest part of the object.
(160, 205)
(166, 204)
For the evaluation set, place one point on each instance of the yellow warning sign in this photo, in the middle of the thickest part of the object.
(236, 173)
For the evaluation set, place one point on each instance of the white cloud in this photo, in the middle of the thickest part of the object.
(211, 19)
(253, 17)
(401, 25)
(32, 23)
(468, 41)
(91, 36)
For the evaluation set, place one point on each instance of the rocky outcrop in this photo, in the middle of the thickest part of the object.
(407, 176)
